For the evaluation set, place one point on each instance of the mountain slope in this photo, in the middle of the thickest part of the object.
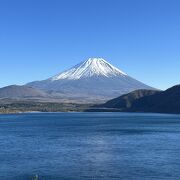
(126, 101)
(147, 101)
(94, 79)
(164, 102)
(16, 92)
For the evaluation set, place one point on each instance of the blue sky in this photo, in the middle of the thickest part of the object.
(40, 38)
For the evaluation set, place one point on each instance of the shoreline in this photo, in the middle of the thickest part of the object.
(56, 112)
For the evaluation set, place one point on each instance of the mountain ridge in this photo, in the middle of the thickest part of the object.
(126, 101)
(167, 101)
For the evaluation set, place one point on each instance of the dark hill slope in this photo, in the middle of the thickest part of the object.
(164, 102)
(147, 101)
(126, 101)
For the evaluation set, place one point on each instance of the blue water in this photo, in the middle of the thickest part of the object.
(90, 146)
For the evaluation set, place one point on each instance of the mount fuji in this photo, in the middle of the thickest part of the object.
(92, 80)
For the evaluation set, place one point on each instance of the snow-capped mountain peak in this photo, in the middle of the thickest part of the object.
(89, 81)
(89, 68)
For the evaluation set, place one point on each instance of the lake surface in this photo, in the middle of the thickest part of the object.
(90, 146)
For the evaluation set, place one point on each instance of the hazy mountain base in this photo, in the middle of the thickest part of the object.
(93, 88)
(24, 93)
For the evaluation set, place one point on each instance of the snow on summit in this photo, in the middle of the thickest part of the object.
(89, 68)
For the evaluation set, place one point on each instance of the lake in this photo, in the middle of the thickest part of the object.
(102, 146)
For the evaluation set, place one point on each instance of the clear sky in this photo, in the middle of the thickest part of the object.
(40, 38)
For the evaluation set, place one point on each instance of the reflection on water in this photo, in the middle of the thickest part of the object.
(90, 146)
